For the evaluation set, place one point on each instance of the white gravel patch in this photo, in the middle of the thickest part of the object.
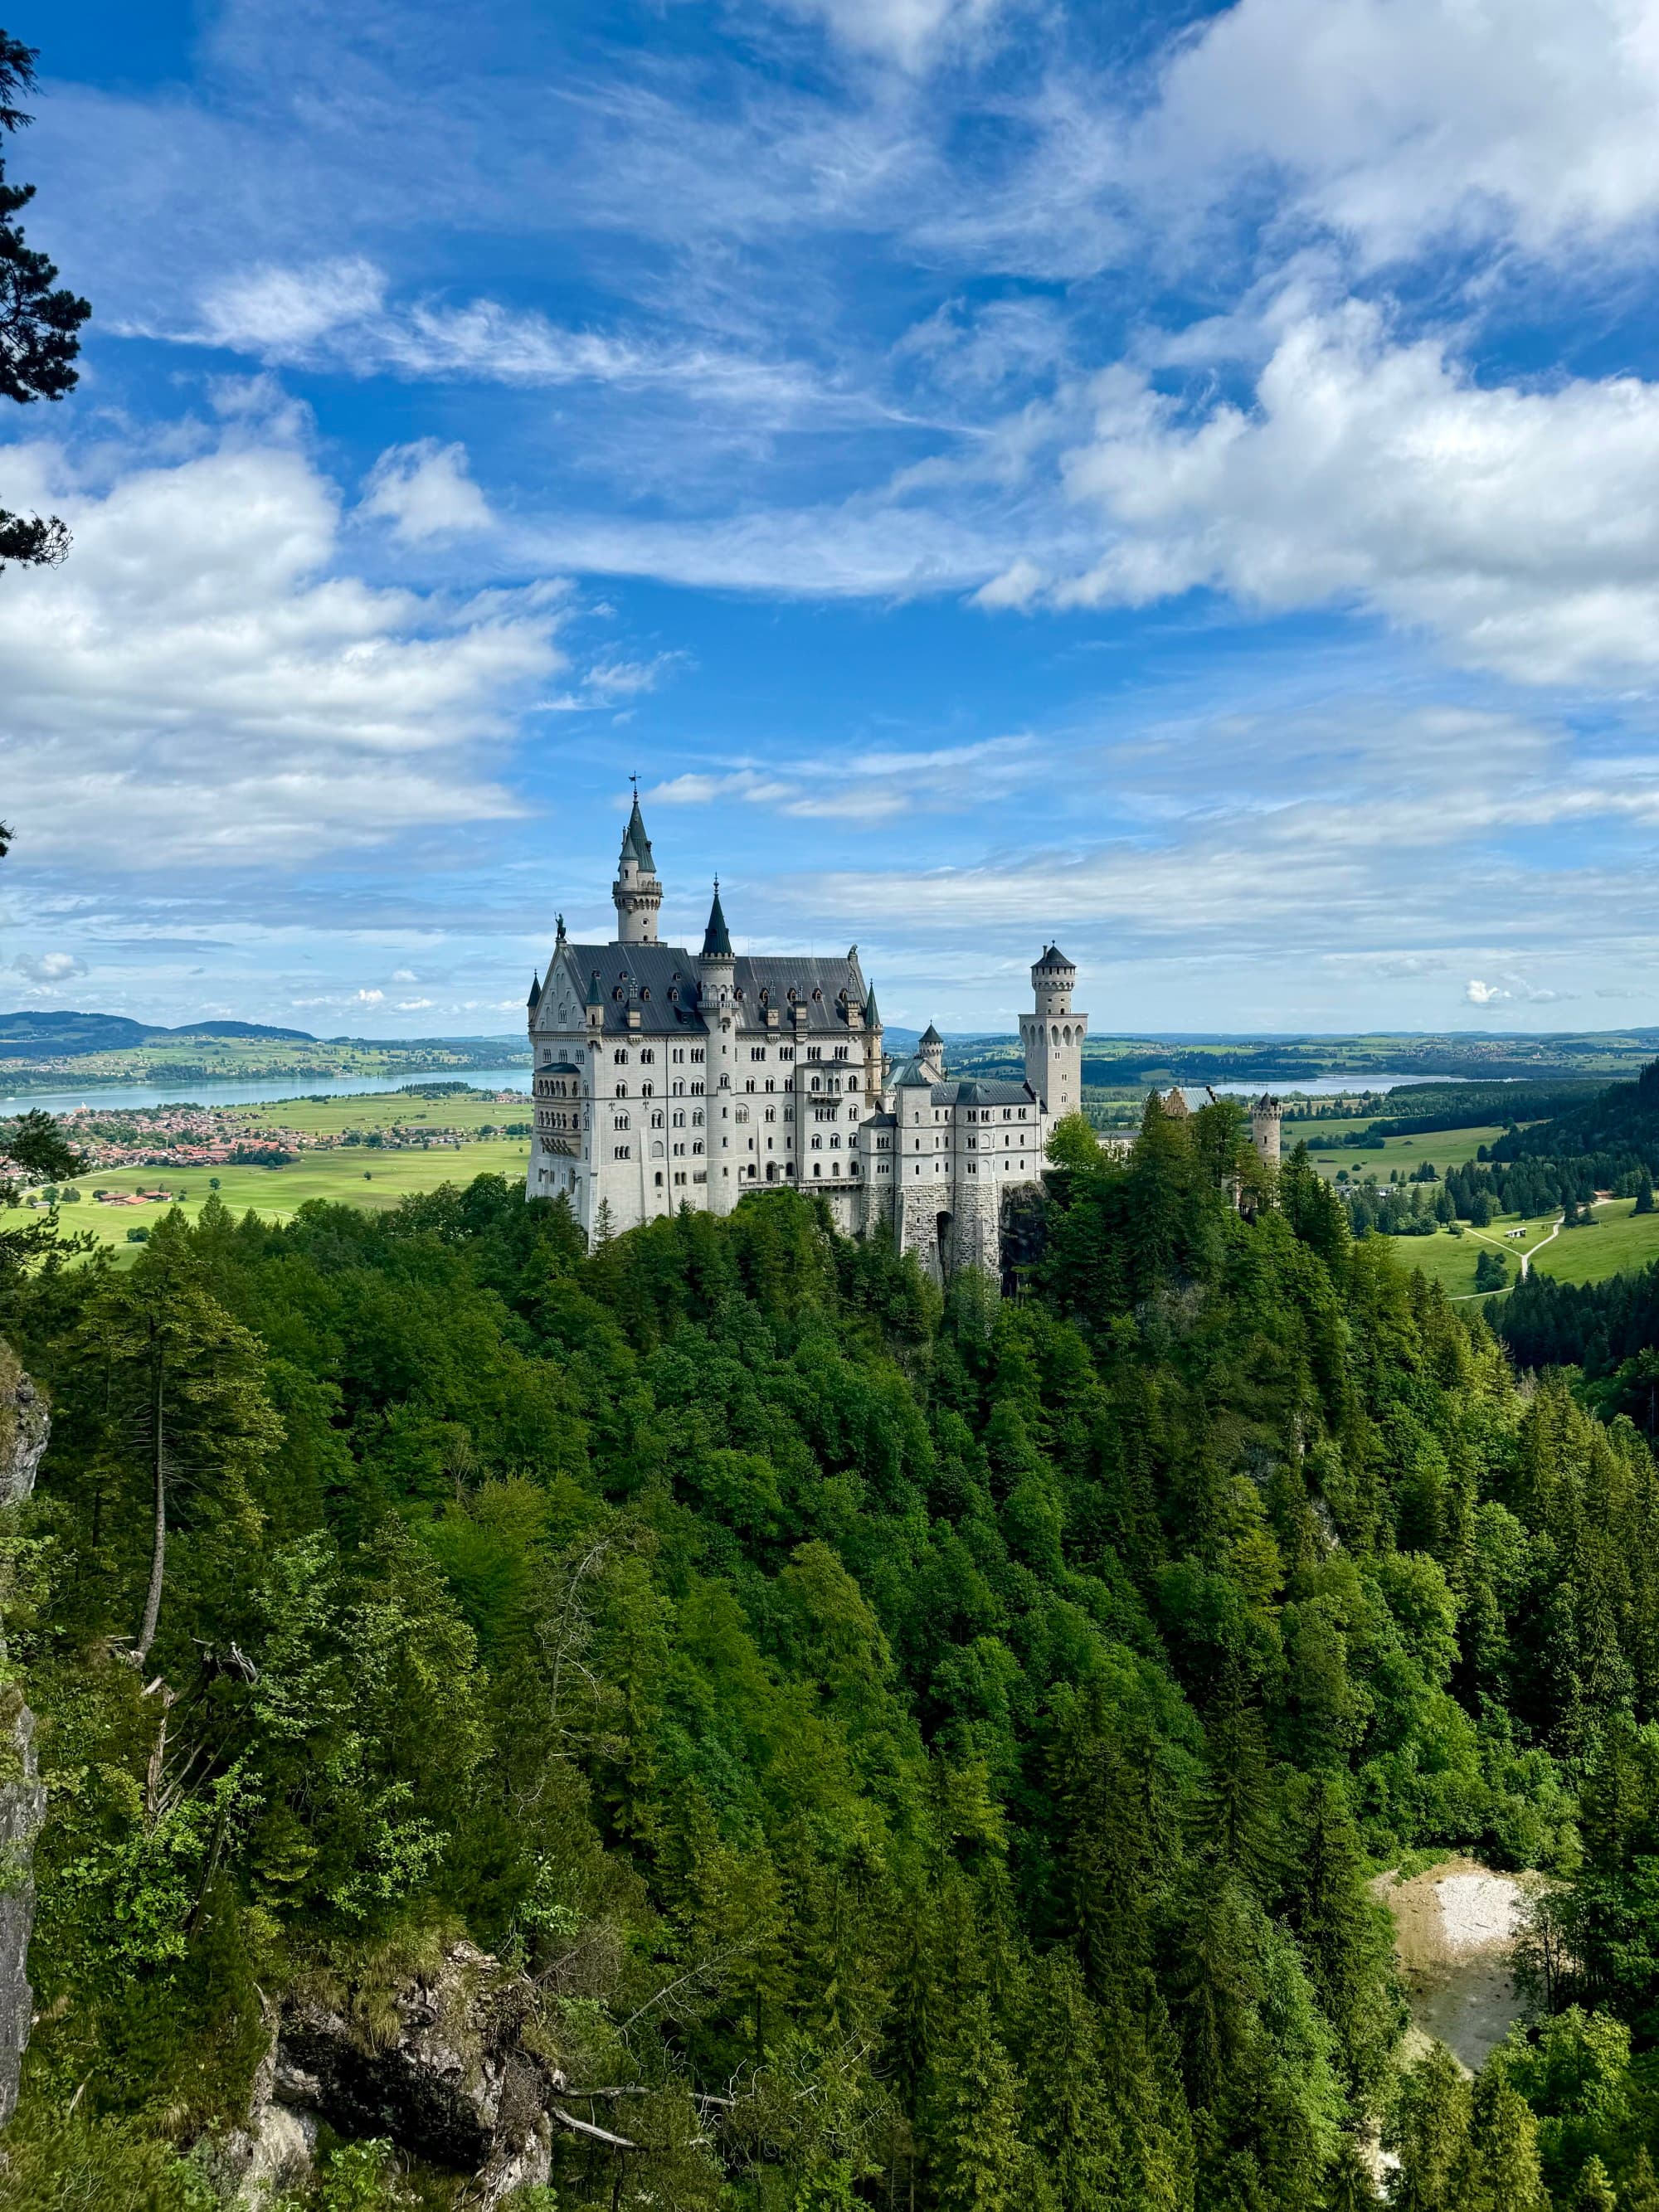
(1478, 1912)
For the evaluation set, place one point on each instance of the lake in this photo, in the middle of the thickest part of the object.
(116, 1097)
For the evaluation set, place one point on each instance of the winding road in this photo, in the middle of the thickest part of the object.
(1503, 1244)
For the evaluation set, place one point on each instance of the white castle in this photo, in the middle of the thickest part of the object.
(665, 1077)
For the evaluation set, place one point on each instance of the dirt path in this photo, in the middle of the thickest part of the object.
(1503, 1244)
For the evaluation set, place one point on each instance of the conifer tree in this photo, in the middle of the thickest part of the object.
(978, 2157)
(1069, 2121)
(1595, 2189)
(1640, 2193)
(1428, 2129)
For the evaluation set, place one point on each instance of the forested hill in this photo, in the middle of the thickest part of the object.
(906, 1751)
(1619, 1125)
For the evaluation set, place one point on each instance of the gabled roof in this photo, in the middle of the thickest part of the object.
(662, 982)
(913, 1076)
(980, 1090)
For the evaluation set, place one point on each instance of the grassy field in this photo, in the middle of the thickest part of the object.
(1446, 1148)
(1621, 1241)
(354, 1176)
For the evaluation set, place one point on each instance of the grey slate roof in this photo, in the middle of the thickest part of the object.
(634, 842)
(716, 939)
(911, 1075)
(977, 1091)
(1054, 958)
(930, 1036)
(662, 981)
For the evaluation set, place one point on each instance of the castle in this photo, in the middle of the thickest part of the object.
(665, 1077)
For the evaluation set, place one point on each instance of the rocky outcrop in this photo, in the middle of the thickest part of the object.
(25, 1425)
(436, 2065)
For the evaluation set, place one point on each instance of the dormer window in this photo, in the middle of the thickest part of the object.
(645, 990)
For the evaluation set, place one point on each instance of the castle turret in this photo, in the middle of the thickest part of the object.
(873, 1068)
(1053, 1036)
(1265, 1127)
(717, 975)
(930, 1051)
(637, 892)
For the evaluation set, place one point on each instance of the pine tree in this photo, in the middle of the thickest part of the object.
(1430, 2130)
(1641, 2190)
(1595, 2189)
(1344, 1937)
(1069, 2121)
(978, 2157)
(1499, 2170)
(1348, 2186)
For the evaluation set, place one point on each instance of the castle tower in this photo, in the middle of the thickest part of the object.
(930, 1051)
(717, 975)
(1265, 1129)
(1053, 1036)
(873, 1069)
(637, 892)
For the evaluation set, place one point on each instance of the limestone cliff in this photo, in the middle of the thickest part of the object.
(24, 1427)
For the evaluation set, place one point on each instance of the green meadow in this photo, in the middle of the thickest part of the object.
(1621, 1241)
(357, 1175)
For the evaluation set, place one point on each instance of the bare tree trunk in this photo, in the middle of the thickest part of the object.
(158, 1558)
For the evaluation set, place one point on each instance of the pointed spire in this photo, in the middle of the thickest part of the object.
(930, 1036)
(534, 991)
(595, 996)
(716, 939)
(872, 1017)
(635, 845)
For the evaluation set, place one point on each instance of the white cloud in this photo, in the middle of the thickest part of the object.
(414, 1005)
(1402, 121)
(1482, 994)
(909, 32)
(200, 683)
(336, 314)
(426, 490)
(370, 999)
(405, 976)
(865, 785)
(1520, 526)
(48, 968)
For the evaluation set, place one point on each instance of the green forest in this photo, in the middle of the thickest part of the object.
(849, 1745)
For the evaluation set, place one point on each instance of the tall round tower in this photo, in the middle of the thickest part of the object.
(637, 892)
(1265, 1129)
(717, 975)
(1053, 1036)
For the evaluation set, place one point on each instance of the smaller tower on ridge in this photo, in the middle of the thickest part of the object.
(637, 891)
(1265, 1129)
(930, 1051)
(1053, 1036)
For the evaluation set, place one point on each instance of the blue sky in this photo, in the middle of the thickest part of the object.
(1184, 481)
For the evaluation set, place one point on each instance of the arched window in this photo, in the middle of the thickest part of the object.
(645, 1090)
(852, 1083)
(622, 1091)
(622, 1121)
(742, 1114)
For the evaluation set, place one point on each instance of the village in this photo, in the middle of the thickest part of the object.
(186, 1136)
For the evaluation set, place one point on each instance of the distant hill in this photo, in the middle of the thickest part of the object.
(1620, 1123)
(28, 1036)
